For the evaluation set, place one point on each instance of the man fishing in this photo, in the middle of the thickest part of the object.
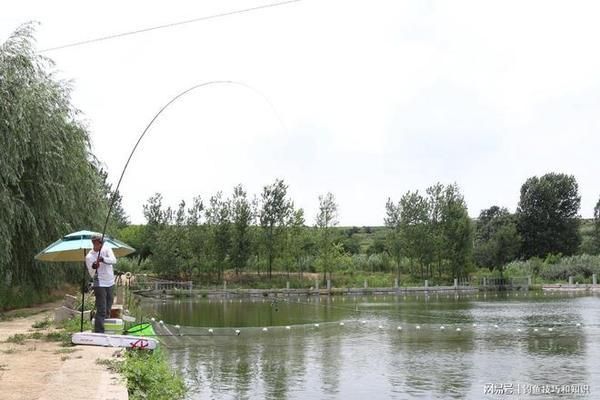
(99, 262)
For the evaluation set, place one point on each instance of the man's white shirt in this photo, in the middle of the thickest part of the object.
(106, 274)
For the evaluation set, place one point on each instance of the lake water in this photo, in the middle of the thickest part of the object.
(497, 346)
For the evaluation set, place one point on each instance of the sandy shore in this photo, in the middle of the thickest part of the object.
(44, 370)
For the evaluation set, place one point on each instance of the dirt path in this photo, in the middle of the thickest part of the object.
(36, 369)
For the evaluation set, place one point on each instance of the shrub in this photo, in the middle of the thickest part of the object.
(583, 266)
(17, 338)
(44, 323)
(149, 376)
(555, 268)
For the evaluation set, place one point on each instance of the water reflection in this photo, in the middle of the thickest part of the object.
(358, 361)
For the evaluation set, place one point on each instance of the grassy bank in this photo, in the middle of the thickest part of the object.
(148, 375)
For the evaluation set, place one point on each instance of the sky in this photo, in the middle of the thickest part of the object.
(363, 99)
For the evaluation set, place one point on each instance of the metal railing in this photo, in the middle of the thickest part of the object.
(143, 282)
(517, 282)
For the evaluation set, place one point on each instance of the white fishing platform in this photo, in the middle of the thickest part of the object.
(111, 340)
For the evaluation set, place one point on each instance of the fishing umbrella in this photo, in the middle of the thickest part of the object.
(74, 247)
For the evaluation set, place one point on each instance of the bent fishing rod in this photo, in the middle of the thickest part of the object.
(162, 109)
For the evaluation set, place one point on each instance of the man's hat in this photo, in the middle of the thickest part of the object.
(97, 238)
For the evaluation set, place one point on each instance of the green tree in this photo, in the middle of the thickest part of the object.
(596, 232)
(547, 215)
(351, 245)
(219, 227)
(257, 234)
(164, 240)
(497, 241)
(153, 211)
(393, 221)
(274, 212)
(457, 232)
(171, 255)
(197, 234)
(155, 220)
(118, 216)
(414, 217)
(241, 216)
(50, 183)
(326, 219)
(181, 248)
(435, 200)
(449, 233)
(295, 239)
(377, 246)
(134, 236)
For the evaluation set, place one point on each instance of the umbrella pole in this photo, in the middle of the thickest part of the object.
(83, 292)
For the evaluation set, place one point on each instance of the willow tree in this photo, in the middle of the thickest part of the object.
(49, 179)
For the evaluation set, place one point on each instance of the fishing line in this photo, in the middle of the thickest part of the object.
(170, 25)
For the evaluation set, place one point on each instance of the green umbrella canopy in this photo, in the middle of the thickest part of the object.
(74, 246)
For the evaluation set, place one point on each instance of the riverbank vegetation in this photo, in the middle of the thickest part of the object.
(148, 375)
(425, 236)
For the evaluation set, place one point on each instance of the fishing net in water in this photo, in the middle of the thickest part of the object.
(398, 321)
(171, 335)
(175, 335)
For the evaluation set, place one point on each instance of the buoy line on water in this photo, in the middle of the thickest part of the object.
(176, 334)
(451, 325)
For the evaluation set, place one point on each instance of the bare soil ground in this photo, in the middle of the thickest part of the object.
(37, 369)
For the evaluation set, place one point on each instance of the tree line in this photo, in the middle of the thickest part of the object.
(236, 232)
(426, 235)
